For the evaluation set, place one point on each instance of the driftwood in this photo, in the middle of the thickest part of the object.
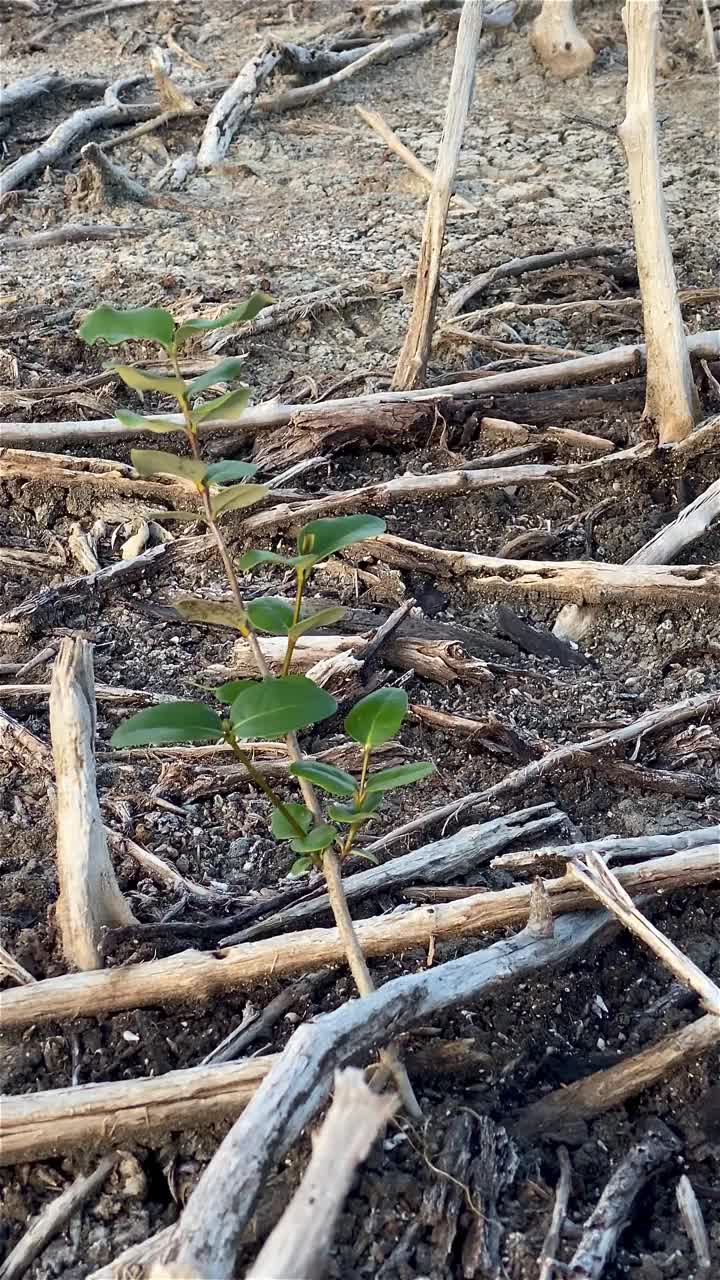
(552, 858)
(299, 1243)
(672, 400)
(471, 847)
(236, 103)
(457, 483)
(515, 267)
(579, 581)
(604, 1090)
(45, 1125)
(390, 138)
(614, 1208)
(90, 897)
(561, 757)
(705, 345)
(110, 113)
(193, 975)
(558, 42)
(206, 1238)
(412, 361)
(574, 622)
(53, 1218)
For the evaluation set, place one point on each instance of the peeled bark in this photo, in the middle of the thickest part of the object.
(671, 397)
(90, 898)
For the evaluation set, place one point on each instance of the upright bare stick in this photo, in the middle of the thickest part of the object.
(301, 1239)
(671, 398)
(558, 42)
(90, 897)
(412, 363)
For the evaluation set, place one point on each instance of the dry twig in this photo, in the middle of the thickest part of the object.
(548, 1256)
(53, 1218)
(518, 267)
(391, 140)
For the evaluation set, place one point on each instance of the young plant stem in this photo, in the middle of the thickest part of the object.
(260, 782)
(360, 795)
(296, 618)
(331, 862)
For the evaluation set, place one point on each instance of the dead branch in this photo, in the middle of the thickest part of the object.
(495, 18)
(574, 622)
(471, 847)
(236, 103)
(560, 758)
(693, 1220)
(300, 1241)
(580, 581)
(380, 126)
(548, 1257)
(95, 475)
(193, 975)
(412, 362)
(292, 309)
(43, 1125)
(90, 897)
(11, 968)
(518, 267)
(86, 120)
(299, 1084)
(606, 1089)
(82, 15)
(578, 307)
(20, 93)
(74, 233)
(53, 1217)
(271, 414)
(491, 732)
(614, 1208)
(605, 885)
(107, 183)
(161, 872)
(558, 42)
(387, 51)
(555, 857)
(672, 400)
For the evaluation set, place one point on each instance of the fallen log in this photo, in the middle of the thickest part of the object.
(271, 414)
(195, 976)
(555, 857)
(580, 581)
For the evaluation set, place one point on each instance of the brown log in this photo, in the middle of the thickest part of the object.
(195, 976)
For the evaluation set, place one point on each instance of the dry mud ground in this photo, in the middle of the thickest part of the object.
(308, 201)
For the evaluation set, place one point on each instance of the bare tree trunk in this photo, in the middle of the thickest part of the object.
(671, 396)
(412, 363)
(558, 42)
(89, 894)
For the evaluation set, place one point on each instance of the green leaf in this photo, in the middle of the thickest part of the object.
(377, 718)
(354, 814)
(274, 707)
(171, 722)
(323, 618)
(228, 692)
(160, 426)
(238, 315)
(253, 558)
(217, 612)
(280, 826)
(237, 495)
(369, 857)
(326, 777)
(153, 462)
(317, 839)
(147, 324)
(227, 469)
(322, 538)
(139, 380)
(228, 407)
(223, 371)
(187, 517)
(271, 614)
(300, 866)
(402, 776)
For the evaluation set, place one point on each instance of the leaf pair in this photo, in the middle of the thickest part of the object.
(274, 615)
(318, 540)
(153, 462)
(154, 324)
(339, 783)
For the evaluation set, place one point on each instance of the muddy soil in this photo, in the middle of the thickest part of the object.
(308, 201)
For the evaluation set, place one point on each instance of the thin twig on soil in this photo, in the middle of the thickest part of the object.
(548, 1256)
(380, 126)
(207, 1236)
(515, 267)
(193, 975)
(53, 1218)
(240, 1038)
(605, 885)
(694, 708)
(578, 307)
(299, 1243)
(615, 1206)
(412, 362)
(83, 14)
(20, 93)
(694, 1223)
(73, 233)
(604, 1090)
